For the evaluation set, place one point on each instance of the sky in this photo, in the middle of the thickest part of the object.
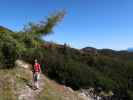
(92, 23)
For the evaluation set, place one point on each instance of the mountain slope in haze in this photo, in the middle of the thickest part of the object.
(130, 49)
(4, 29)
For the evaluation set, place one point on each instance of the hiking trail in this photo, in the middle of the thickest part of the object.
(52, 88)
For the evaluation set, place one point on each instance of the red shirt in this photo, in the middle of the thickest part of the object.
(37, 67)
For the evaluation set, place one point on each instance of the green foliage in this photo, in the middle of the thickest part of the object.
(130, 93)
(70, 67)
(44, 27)
(14, 45)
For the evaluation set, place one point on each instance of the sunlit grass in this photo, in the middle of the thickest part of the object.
(12, 81)
(51, 92)
(7, 85)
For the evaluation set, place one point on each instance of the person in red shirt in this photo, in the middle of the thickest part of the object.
(37, 71)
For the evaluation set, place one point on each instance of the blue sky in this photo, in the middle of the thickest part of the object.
(96, 23)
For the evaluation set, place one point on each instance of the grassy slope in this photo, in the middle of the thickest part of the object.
(7, 85)
(54, 91)
(12, 81)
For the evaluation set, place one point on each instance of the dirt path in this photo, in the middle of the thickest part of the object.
(28, 93)
(52, 89)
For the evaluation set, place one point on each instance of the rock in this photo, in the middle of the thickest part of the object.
(82, 94)
(84, 97)
(20, 63)
(69, 89)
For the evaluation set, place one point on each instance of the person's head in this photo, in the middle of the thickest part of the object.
(35, 60)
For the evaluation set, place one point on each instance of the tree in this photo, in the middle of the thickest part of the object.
(14, 44)
(44, 27)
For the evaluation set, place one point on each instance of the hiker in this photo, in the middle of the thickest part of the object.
(36, 76)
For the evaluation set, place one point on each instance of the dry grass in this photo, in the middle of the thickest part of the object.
(12, 81)
(54, 91)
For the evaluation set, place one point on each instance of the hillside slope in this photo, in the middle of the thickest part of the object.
(16, 84)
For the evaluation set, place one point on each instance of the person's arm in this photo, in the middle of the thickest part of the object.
(34, 68)
(40, 68)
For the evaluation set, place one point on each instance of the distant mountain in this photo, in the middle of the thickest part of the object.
(95, 50)
(89, 50)
(109, 52)
(130, 49)
(4, 29)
